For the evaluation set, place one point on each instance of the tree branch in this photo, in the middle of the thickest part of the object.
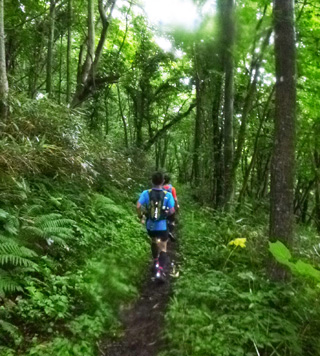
(166, 127)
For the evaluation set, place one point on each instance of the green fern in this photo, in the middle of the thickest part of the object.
(15, 260)
(13, 253)
(49, 227)
(52, 220)
(34, 209)
(8, 284)
(3, 215)
(107, 207)
(13, 248)
(11, 330)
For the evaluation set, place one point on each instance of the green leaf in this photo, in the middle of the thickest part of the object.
(306, 269)
(280, 252)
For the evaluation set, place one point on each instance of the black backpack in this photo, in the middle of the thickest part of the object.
(157, 209)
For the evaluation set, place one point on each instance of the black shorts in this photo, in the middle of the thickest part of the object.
(161, 234)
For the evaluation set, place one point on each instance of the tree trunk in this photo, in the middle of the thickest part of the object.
(227, 12)
(317, 206)
(164, 152)
(50, 47)
(216, 134)
(123, 118)
(251, 91)
(197, 132)
(264, 116)
(60, 70)
(283, 160)
(68, 96)
(4, 87)
(88, 82)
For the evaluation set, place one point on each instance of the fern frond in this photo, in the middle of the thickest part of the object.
(34, 209)
(3, 215)
(8, 327)
(39, 220)
(15, 260)
(33, 231)
(8, 284)
(106, 206)
(60, 231)
(12, 247)
(11, 225)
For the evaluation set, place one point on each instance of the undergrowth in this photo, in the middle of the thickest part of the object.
(71, 251)
(223, 302)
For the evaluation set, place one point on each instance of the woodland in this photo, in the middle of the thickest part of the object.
(95, 95)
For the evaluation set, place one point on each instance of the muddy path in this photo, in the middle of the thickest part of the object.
(144, 323)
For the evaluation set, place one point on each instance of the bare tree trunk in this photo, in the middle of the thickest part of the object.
(216, 134)
(283, 160)
(251, 91)
(227, 12)
(60, 70)
(164, 152)
(197, 131)
(123, 118)
(50, 47)
(4, 87)
(69, 52)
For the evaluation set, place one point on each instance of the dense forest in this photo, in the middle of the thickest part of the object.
(95, 95)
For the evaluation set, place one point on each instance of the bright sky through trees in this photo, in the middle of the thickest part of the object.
(172, 12)
(175, 13)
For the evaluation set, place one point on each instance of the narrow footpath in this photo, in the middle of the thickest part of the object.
(143, 334)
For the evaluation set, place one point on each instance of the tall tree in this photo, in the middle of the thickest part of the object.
(283, 160)
(69, 52)
(196, 166)
(4, 87)
(227, 16)
(50, 46)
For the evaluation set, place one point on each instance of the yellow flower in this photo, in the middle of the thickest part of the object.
(238, 242)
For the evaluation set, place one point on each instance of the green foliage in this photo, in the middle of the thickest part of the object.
(233, 308)
(71, 251)
(282, 254)
(84, 269)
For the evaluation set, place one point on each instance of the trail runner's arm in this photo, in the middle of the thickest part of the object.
(140, 213)
(174, 193)
(170, 205)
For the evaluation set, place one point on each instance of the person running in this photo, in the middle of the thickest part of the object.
(171, 219)
(158, 204)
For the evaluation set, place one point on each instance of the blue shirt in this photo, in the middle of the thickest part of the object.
(159, 225)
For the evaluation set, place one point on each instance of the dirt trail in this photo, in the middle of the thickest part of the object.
(145, 321)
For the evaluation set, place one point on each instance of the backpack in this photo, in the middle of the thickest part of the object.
(169, 189)
(157, 209)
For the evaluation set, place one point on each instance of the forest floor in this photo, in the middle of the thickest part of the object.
(144, 322)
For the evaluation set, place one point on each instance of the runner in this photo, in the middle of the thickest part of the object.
(157, 204)
(171, 219)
